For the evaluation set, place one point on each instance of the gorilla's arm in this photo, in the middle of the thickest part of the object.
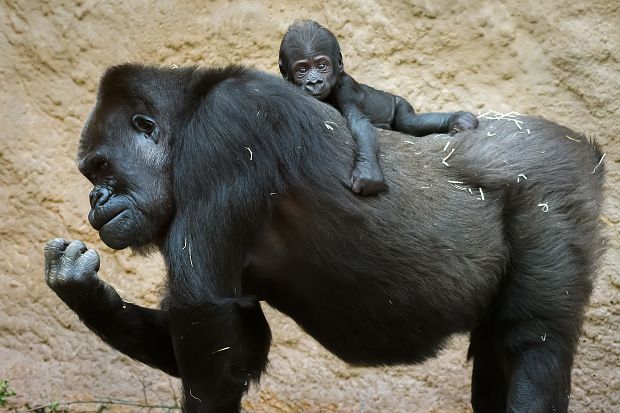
(141, 333)
(221, 337)
(366, 178)
(420, 124)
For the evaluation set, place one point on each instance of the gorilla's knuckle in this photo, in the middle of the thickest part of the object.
(54, 248)
(75, 248)
(89, 259)
(54, 244)
(51, 278)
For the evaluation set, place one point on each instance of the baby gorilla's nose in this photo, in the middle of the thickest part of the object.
(314, 77)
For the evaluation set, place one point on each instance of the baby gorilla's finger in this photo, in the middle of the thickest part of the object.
(464, 121)
(356, 185)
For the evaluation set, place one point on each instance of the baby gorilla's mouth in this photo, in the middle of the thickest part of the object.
(320, 95)
(319, 91)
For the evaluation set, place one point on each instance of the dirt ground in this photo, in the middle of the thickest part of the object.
(558, 59)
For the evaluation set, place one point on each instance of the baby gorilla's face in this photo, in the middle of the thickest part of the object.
(316, 75)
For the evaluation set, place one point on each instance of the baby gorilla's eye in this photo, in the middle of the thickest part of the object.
(323, 66)
(302, 70)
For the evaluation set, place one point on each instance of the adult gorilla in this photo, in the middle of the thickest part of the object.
(240, 180)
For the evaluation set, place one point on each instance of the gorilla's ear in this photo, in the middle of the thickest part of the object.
(282, 69)
(340, 64)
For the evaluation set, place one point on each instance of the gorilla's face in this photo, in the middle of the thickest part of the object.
(315, 74)
(124, 153)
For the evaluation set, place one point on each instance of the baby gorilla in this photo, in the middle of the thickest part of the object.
(310, 58)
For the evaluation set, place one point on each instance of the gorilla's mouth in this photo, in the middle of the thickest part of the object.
(115, 221)
(320, 92)
(116, 232)
(106, 214)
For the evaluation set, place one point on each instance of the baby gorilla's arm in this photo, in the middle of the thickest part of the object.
(366, 177)
(420, 124)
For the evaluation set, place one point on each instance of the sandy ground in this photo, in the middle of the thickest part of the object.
(551, 58)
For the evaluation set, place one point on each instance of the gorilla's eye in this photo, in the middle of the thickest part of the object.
(302, 70)
(322, 66)
(143, 124)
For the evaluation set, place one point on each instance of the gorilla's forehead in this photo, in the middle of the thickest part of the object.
(92, 134)
(109, 116)
(149, 84)
(311, 50)
(310, 57)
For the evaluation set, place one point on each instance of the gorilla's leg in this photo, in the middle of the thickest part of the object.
(141, 333)
(541, 379)
(548, 284)
(419, 124)
(489, 387)
(220, 347)
(540, 351)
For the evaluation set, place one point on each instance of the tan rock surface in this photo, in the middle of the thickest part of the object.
(558, 59)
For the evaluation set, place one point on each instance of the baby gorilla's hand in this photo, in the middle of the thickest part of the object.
(367, 178)
(463, 120)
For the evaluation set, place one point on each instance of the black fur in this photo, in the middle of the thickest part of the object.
(310, 58)
(255, 206)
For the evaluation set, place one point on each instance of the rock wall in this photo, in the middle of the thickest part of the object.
(558, 59)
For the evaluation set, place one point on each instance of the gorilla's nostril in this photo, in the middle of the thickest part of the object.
(94, 166)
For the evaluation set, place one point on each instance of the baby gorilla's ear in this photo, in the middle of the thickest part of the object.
(340, 64)
(282, 69)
